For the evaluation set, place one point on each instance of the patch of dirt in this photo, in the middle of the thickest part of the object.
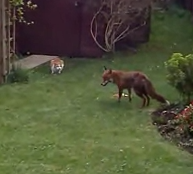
(162, 118)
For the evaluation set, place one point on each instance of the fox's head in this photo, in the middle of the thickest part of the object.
(107, 76)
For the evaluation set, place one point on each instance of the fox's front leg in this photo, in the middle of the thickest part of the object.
(129, 95)
(120, 95)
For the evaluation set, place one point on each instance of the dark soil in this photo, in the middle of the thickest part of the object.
(162, 118)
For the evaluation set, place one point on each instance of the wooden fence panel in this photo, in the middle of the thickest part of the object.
(6, 39)
(2, 40)
(187, 4)
(56, 29)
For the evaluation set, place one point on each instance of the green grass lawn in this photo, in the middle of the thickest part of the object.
(70, 124)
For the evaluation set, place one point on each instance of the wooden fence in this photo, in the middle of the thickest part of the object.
(62, 28)
(187, 4)
(7, 38)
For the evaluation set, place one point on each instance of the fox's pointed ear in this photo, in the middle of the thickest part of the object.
(104, 68)
(110, 71)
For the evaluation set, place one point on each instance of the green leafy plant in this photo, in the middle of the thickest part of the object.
(18, 75)
(179, 74)
(19, 6)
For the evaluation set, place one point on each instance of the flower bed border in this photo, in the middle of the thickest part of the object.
(162, 119)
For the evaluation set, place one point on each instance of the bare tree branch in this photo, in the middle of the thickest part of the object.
(117, 17)
(126, 32)
(94, 36)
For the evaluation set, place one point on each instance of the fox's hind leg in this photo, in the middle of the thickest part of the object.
(141, 96)
(148, 100)
(147, 97)
(143, 90)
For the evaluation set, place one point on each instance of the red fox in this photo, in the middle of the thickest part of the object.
(135, 80)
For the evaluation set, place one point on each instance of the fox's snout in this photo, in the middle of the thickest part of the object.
(104, 83)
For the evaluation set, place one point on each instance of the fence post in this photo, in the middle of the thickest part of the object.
(2, 29)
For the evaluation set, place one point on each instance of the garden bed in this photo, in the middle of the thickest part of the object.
(166, 119)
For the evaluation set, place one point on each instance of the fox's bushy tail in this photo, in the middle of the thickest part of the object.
(152, 92)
